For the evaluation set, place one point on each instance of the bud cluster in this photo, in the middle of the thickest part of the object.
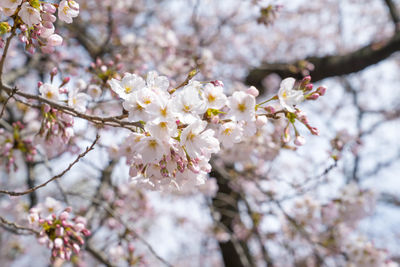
(35, 20)
(63, 235)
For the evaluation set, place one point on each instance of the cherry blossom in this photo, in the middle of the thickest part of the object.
(29, 15)
(67, 10)
(288, 96)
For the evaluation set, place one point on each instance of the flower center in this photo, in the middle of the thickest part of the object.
(163, 111)
(211, 98)
(65, 10)
(128, 89)
(153, 144)
(227, 131)
(241, 107)
(49, 94)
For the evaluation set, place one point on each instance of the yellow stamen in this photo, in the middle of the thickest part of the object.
(153, 144)
(227, 131)
(211, 98)
(191, 136)
(65, 10)
(128, 89)
(49, 94)
(163, 111)
(241, 107)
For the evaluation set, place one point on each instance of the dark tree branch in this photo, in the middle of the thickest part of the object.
(394, 14)
(329, 66)
(231, 253)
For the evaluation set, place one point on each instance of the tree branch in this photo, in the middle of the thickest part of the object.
(394, 14)
(329, 66)
(11, 193)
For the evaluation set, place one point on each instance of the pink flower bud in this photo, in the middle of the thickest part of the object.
(47, 7)
(7, 147)
(59, 230)
(64, 215)
(79, 227)
(30, 49)
(270, 109)
(313, 96)
(306, 80)
(303, 119)
(131, 247)
(58, 243)
(321, 90)
(63, 90)
(76, 248)
(215, 119)
(66, 80)
(299, 141)
(23, 38)
(308, 87)
(46, 108)
(217, 83)
(54, 40)
(314, 131)
(253, 91)
(286, 135)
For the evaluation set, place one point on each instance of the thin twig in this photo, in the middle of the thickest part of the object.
(3, 57)
(5, 103)
(110, 121)
(17, 227)
(11, 193)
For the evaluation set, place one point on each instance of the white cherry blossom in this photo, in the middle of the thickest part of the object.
(29, 15)
(77, 100)
(128, 84)
(288, 96)
(67, 10)
(151, 149)
(197, 141)
(157, 83)
(214, 96)
(137, 102)
(188, 104)
(230, 133)
(162, 130)
(49, 91)
(242, 106)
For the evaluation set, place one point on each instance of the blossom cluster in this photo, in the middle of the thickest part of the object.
(35, 20)
(184, 126)
(332, 225)
(61, 233)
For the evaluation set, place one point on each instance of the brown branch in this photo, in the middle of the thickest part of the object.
(394, 14)
(11, 193)
(5, 102)
(234, 254)
(3, 57)
(100, 121)
(98, 255)
(331, 65)
(15, 228)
